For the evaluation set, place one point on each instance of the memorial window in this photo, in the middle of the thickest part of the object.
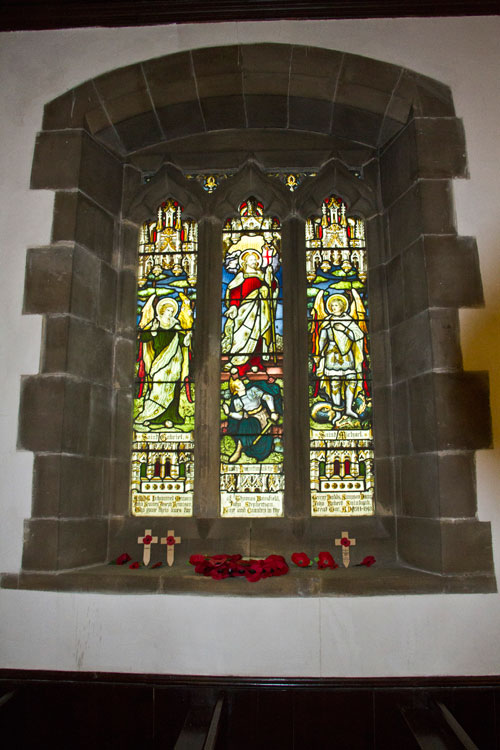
(251, 474)
(340, 390)
(163, 414)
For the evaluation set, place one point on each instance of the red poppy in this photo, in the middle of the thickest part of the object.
(170, 540)
(345, 542)
(255, 573)
(123, 558)
(195, 559)
(219, 573)
(325, 560)
(218, 559)
(203, 568)
(135, 565)
(368, 561)
(147, 539)
(157, 565)
(301, 559)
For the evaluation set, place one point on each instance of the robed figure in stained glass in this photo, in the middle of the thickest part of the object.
(250, 312)
(338, 349)
(164, 341)
(253, 409)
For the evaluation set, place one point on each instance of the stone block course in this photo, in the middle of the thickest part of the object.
(426, 208)
(467, 427)
(226, 84)
(382, 421)
(100, 175)
(140, 131)
(223, 112)
(395, 291)
(457, 485)
(380, 352)
(122, 425)
(67, 486)
(435, 485)
(440, 146)
(266, 111)
(41, 413)
(100, 420)
(170, 79)
(71, 159)
(57, 159)
(124, 357)
(452, 269)
(218, 61)
(126, 297)
(411, 351)
(377, 291)
(385, 486)
(48, 282)
(437, 423)
(270, 58)
(80, 220)
(70, 109)
(312, 115)
(54, 351)
(92, 542)
(400, 419)
(356, 124)
(41, 538)
(444, 546)
(398, 165)
(445, 339)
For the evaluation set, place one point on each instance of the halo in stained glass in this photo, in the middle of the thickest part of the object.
(163, 409)
(340, 390)
(251, 473)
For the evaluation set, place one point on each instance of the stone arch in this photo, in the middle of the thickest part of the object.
(247, 110)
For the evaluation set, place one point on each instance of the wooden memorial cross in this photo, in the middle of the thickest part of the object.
(147, 540)
(170, 540)
(345, 542)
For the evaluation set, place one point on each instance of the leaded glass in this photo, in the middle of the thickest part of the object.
(292, 180)
(341, 441)
(251, 478)
(209, 182)
(163, 415)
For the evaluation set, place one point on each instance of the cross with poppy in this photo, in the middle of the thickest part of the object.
(170, 540)
(345, 543)
(147, 540)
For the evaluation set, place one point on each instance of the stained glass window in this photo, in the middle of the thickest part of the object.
(340, 401)
(163, 415)
(251, 474)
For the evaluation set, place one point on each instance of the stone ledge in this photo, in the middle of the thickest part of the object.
(356, 581)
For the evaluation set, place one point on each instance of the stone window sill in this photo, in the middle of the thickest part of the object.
(356, 581)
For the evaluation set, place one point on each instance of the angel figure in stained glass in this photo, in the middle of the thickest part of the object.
(338, 352)
(250, 330)
(164, 343)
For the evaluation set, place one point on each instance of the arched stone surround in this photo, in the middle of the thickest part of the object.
(249, 109)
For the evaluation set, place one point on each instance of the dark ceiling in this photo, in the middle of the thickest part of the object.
(57, 14)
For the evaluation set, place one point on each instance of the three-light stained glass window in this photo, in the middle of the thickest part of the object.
(163, 411)
(251, 470)
(340, 390)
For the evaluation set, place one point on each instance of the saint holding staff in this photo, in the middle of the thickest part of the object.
(251, 298)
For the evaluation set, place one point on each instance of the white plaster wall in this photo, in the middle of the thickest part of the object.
(185, 634)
